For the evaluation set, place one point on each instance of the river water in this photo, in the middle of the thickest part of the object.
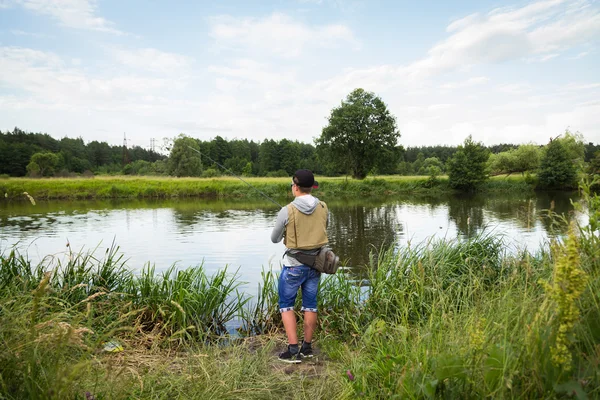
(236, 234)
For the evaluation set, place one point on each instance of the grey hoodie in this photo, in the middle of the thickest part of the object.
(306, 204)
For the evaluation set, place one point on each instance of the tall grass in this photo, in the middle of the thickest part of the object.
(229, 187)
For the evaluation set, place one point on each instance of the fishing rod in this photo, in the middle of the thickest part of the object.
(240, 178)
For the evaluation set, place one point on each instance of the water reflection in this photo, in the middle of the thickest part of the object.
(237, 233)
(355, 228)
(467, 213)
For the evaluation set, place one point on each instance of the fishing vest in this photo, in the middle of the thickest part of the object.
(306, 231)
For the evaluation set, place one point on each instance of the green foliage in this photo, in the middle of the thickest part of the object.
(278, 173)
(557, 170)
(183, 160)
(594, 165)
(467, 168)
(17, 148)
(248, 168)
(210, 173)
(433, 171)
(404, 168)
(527, 158)
(522, 159)
(568, 283)
(43, 164)
(358, 131)
(104, 187)
(33, 169)
(428, 163)
(574, 147)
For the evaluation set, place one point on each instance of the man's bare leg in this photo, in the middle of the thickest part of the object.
(289, 323)
(310, 324)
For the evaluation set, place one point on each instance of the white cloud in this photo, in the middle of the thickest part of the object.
(549, 57)
(580, 55)
(277, 33)
(48, 78)
(18, 32)
(152, 60)
(511, 34)
(78, 14)
(514, 88)
(478, 80)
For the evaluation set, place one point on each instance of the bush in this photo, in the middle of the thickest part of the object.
(557, 170)
(210, 173)
(280, 173)
(467, 169)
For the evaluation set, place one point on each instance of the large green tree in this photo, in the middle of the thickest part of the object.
(557, 169)
(183, 160)
(359, 130)
(43, 163)
(467, 168)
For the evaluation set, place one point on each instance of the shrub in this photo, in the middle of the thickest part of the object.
(280, 173)
(210, 173)
(467, 168)
(557, 170)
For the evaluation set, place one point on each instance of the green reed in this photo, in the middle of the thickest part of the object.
(188, 303)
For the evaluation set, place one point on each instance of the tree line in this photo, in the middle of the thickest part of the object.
(39, 154)
(361, 138)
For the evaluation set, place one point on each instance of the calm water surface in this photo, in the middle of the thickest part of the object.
(237, 234)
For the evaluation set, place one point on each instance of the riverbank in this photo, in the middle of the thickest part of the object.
(452, 319)
(104, 187)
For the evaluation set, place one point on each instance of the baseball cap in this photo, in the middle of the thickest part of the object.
(305, 179)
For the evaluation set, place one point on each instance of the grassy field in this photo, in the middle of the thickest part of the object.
(104, 187)
(442, 319)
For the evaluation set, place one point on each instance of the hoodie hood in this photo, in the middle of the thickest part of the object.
(306, 204)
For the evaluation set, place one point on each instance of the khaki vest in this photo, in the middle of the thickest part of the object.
(306, 232)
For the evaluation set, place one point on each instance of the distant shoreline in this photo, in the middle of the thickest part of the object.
(112, 187)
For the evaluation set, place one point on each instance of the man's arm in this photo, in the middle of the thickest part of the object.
(279, 228)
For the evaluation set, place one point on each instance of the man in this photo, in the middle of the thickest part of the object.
(303, 226)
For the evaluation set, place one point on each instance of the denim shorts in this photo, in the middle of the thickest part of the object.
(294, 278)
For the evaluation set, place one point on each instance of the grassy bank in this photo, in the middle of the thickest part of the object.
(444, 319)
(229, 187)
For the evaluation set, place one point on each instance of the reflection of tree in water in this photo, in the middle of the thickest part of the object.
(30, 223)
(514, 207)
(466, 210)
(187, 214)
(356, 230)
(558, 203)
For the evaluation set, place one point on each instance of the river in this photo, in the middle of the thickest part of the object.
(190, 232)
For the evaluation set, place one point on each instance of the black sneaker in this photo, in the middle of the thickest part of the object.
(289, 357)
(306, 351)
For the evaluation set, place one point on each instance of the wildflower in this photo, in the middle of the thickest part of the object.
(476, 335)
(568, 283)
(349, 374)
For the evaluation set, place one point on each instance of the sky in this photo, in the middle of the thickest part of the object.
(503, 72)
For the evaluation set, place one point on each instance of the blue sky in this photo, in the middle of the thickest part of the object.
(500, 71)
